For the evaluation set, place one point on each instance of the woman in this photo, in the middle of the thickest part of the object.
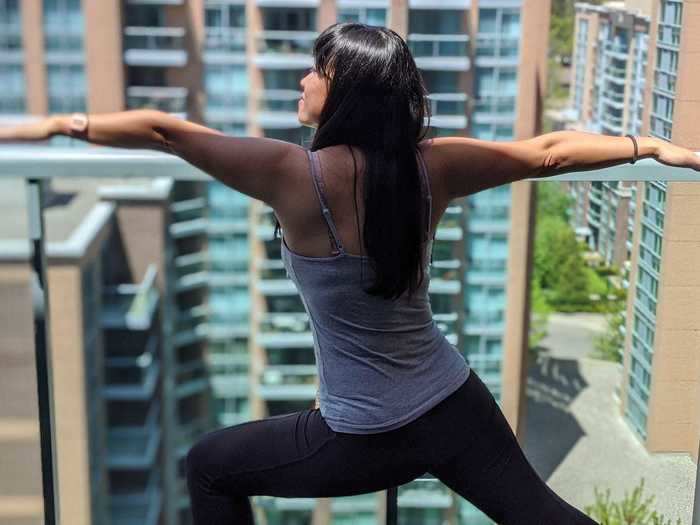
(396, 400)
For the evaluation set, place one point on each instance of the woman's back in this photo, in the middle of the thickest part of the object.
(306, 230)
(382, 363)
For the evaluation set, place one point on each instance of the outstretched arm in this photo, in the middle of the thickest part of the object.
(254, 166)
(472, 165)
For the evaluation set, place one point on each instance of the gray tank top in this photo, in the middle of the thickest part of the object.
(381, 363)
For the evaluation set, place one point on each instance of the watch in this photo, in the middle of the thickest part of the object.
(78, 124)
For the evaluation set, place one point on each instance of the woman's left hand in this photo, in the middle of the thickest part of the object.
(43, 129)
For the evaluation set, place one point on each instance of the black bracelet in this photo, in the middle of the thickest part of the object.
(636, 148)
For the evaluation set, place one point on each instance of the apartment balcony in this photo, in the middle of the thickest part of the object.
(339, 506)
(226, 107)
(167, 99)
(440, 52)
(134, 384)
(188, 433)
(288, 382)
(445, 277)
(231, 385)
(129, 448)
(448, 326)
(278, 109)
(131, 306)
(155, 46)
(190, 378)
(497, 50)
(611, 98)
(155, 2)
(284, 49)
(617, 50)
(220, 42)
(138, 506)
(276, 286)
(425, 493)
(612, 123)
(449, 229)
(448, 110)
(285, 331)
(141, 502)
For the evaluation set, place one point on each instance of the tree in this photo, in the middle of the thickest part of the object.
(609, 344)
(571, 291)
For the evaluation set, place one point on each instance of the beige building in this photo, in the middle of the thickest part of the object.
(235, 65)
(105, 287)
(661, 395)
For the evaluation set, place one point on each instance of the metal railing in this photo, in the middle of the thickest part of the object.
(103, 162)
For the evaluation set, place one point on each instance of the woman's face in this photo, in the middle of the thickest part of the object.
(314, 93)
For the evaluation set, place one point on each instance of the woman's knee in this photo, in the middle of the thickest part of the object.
(201, 461)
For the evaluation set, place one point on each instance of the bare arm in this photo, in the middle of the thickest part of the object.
(254, 166)
(472, 165)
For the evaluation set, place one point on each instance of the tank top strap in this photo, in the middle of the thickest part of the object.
(429, 198)
(315, 168)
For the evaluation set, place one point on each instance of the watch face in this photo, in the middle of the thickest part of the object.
(79, 122)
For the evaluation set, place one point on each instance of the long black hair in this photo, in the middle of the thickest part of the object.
(377, 102)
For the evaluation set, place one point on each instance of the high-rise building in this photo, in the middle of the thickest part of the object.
(643, 226)
(662, 376)
(236, 343)
(608, 78)
(106, 283)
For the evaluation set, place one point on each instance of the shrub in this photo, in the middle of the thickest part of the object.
(632, 510)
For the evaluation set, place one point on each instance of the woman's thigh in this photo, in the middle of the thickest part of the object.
(299, 455)
(484, 463)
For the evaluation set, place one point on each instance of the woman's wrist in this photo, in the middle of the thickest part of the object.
(648, 147)
(59, 125)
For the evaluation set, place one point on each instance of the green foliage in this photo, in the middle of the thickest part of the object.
(539, 316)
(561, 32)
(634, 509)
(553, 200)
(609, 344)
(555, 244)
(561, 277)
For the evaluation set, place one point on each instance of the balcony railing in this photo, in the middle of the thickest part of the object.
(440, 52)
(155, 46)
(225, 39)
(284, 49)
(132, 305)
(164, 98)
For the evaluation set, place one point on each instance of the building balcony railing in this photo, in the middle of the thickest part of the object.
(440, 51)
(164, 98)
(618, 49)
(284, 49)
(155, 2)
(131, 306)
(155, 46)
(225, 39)
(288, 382)
(283, 383)
(188, 433)
(133, 449)
(278, 108)
(226, 107)
(448, 110)
(138, 507)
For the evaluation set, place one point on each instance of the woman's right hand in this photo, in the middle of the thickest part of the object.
(673, 155)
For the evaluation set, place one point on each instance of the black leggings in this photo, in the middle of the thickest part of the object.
(464, 441)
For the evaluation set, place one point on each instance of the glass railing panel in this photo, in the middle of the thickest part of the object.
(588, 418)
